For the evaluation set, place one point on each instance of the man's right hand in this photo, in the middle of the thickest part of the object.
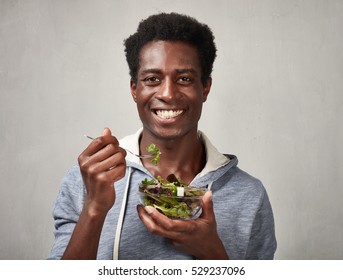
(101, 164)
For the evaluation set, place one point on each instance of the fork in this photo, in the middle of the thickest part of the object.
(139, 156)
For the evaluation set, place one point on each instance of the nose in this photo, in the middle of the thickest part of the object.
(168, 91)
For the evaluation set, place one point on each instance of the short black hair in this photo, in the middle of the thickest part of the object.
(172, 27)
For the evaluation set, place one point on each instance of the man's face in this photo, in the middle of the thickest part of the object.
(169, 92)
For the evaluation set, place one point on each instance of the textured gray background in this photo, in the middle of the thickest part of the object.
(276, 103)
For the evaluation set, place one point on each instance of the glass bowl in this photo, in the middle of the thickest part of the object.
(182, 203)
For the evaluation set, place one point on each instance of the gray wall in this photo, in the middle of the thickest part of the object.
(276, 103)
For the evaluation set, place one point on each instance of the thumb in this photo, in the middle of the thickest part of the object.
(106, 132)
(207, 206)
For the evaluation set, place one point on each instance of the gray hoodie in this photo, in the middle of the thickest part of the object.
(243, 212)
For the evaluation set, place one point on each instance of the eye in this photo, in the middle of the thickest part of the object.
(185, 80)
(151, 80)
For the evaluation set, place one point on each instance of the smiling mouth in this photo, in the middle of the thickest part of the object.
(168, 114)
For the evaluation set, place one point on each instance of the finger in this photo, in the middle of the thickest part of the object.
(102, 161)
(108, 152)
(117, 173)
(207, 207)
(113, 161)
(147, 220)
(109, 177)
(98, 144)
(144, 214)
(94, 162)
(171, 228)
(106, 132)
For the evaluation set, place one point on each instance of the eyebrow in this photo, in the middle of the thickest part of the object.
(151, 70)
(186, 70)
(158, 71)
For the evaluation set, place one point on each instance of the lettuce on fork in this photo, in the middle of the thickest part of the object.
(155, 151)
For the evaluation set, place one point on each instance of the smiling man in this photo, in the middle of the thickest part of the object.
(170, 59)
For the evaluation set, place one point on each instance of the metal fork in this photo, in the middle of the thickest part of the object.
(139, 156)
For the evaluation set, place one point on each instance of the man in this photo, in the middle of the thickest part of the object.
(170, 59)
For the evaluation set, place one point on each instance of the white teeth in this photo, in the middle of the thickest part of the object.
(168, 114)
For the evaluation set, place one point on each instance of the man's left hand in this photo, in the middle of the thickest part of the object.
(197, 237)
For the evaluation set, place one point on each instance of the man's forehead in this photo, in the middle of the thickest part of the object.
(158, 55)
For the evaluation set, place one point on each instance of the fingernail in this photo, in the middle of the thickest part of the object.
(149, 209)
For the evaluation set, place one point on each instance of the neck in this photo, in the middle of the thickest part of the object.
(184, 157)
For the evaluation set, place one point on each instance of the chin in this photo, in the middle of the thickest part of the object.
(170, 133)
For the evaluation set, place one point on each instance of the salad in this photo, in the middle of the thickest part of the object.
(172, 197)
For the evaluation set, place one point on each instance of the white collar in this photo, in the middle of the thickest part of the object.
(214, 159)
(131, 142)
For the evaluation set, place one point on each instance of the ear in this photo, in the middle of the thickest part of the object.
(133, 88)
(206, 89)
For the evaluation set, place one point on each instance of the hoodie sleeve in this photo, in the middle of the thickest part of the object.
(262, 243)
(66, 211)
